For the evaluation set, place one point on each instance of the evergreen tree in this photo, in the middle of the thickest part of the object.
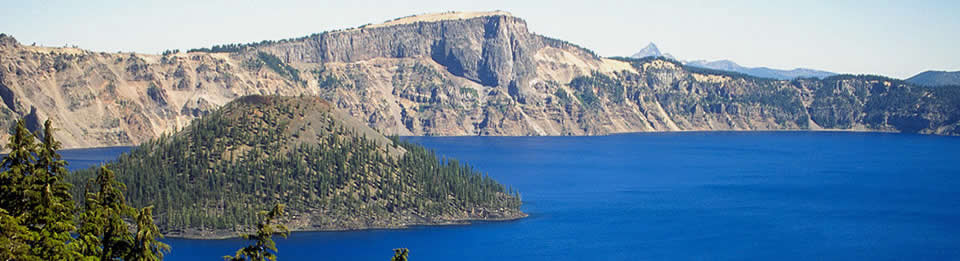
(37, 210)
(51, 206)
(260, 150)
(400, 254)
(146, 247)
(13, 237)
(16, 166)
(103, 232)
(263, 248)
(35, 204)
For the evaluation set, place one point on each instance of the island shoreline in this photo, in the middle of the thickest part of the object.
(220, 235)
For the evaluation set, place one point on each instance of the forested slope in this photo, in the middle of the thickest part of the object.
(332, 172)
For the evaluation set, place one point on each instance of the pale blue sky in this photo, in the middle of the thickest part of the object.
(893, 38)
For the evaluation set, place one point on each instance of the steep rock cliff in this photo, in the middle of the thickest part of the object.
(445, 74)
(106, 99)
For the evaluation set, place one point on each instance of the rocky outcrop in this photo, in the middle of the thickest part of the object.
(493, 49)
(446, 74)
(104, 99)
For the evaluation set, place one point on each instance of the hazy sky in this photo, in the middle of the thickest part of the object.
(893, 38)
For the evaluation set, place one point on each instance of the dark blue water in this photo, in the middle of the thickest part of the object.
(681, 196)
(85, 158)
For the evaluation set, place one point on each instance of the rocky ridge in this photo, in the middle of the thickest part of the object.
(936, 78)
(447, 74)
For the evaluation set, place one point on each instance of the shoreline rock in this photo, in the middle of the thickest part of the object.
(225, 234)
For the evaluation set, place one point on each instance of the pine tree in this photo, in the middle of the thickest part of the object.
(13, 238)
(16, 166)
(37, 210)
(263, 248)
(51, 206)
(102, 221)
(146, 247)
(400, 254)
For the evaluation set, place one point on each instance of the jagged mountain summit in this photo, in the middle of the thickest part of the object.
(763, 72)
(651, 50)
(936, 78)
(480, 73)
(331, 170)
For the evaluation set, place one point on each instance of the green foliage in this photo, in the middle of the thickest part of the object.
(589, 89)
(469, 91)
(37, 211)
(16, 167)
(274, 63)
(156, 94)
(562, 96)
(13, 238)
(400, 254)
(146, 246)
(422, 83)
(263, 247)
(102, 221)
(51, 213)
(236, 47)
(561, 44)
(692, 69)
(261, 150)
(35, 203)
(329, 81)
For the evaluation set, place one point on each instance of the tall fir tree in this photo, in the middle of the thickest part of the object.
(50, 203)
(102, 221)
(15, 237)
(263, 247)
(16, 167)
(37, 211)
(146, 246)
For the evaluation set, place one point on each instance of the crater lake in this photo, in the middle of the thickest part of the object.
(674, 196)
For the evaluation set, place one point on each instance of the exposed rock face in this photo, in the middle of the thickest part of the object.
(492, 49)
(101, 99)
(446, 74)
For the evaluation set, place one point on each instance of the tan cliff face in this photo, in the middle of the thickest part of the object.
(443, 74)
(104, 99)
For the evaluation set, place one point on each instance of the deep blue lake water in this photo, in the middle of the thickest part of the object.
(676, 196)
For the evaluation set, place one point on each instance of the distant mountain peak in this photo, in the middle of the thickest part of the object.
(651, 51)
